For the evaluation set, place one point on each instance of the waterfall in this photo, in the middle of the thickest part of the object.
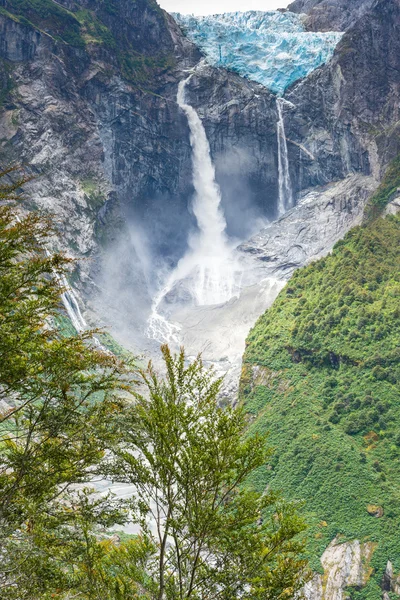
(208, 269)
(72, 307)
(210, 254)
(68, 299)
(286, 199)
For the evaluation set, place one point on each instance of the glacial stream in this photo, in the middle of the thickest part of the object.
(208, 273)
(286, 199)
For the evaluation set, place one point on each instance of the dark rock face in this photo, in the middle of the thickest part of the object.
(240, 121)
(108, 110)
(344, 117)
(330, 15)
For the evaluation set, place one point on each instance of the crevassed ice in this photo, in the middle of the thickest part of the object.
(271, 47)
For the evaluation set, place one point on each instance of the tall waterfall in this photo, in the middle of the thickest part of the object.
(208, 269)
(286, 199)
(210, 256)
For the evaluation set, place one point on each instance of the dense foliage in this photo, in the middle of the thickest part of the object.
(321, 373)
(386, 191)
(57, 397)
(71, 412)
(188, 461)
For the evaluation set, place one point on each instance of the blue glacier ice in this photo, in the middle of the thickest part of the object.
(271, 47)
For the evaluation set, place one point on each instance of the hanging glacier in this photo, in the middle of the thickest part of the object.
(272, 48)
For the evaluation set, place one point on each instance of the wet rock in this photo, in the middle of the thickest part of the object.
(304, 234)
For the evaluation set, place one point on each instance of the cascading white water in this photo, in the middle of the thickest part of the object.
(209, 268)
(68, 298)
(210, 255)
(72, 307)
(71, 303)
(286, 199)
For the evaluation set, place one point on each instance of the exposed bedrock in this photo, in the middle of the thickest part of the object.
(330, 15)
(344, 117)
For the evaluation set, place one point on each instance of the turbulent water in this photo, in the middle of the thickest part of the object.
(271, 48)
(208, 272)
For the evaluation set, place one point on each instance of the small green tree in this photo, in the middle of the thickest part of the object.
(189, 461)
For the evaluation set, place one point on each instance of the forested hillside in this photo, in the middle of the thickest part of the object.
(321, 373)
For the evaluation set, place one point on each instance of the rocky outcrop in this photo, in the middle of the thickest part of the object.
(345, 565)
(390, 581)
(307, 232)
(344, 117)
(330, 15)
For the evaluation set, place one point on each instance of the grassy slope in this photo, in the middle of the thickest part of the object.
(328, 391)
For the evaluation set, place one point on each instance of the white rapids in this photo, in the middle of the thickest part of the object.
(209, 269)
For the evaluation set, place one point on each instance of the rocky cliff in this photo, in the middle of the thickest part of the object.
(330, 15)
(90, 106)
(346, 114)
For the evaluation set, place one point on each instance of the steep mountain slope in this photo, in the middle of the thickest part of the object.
(321, 373)
(88, 102)
(330, 15)
(90, 106)
(346, 114)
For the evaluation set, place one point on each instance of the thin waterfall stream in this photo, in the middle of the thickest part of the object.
(286, 199)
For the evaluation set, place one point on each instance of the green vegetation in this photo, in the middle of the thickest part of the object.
(81, 28)
(49, 16)
(388, 187)
(71, 413)
(321, 373)
(188, 460)
(94, 30)
(136, 67)
(58, 395)
(95, 195)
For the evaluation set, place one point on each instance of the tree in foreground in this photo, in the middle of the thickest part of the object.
(58, 396)
(189, 460)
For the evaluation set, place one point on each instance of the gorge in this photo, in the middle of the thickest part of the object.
(195, 165)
